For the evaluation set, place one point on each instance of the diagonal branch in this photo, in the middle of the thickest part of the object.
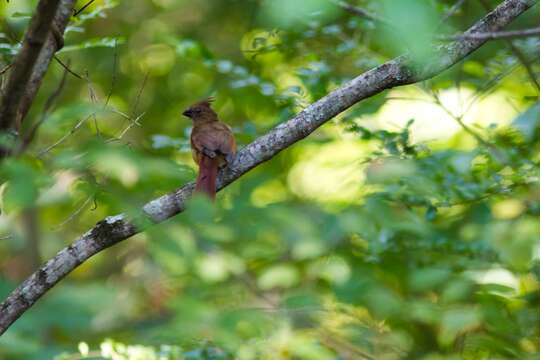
(114, 229)
(358, 11)
(513, 34)
(41, 41)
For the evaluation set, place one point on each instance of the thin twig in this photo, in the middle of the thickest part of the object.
(122, 114)
(94, 100)
(75, 213)
(113, 79)
(133, 122)
(499, 35)
(93, 97)
(452, 11)
(63, 138)
(75, 13)
(496, 35)
(518, 54)
(458, 119)
(5, 68)
(67, 68)
(497, 153)
(358, 11)
(343, 347)
(139, 93)
(526, 64)
(489, 87)
(46, 108)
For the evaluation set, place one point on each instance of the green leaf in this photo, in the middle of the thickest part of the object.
(279, 276)
(22, 180)
(21, 15)
(426, 279)
(106, 42)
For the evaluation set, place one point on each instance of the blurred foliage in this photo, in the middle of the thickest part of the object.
(406, 228)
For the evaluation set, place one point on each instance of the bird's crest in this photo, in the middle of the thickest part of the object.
(206, 102)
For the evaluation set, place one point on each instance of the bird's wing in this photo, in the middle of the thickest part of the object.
(214, 140)
(224, 138)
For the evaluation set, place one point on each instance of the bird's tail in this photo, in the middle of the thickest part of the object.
(206, 180)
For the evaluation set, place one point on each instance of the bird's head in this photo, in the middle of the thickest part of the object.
(201, 111)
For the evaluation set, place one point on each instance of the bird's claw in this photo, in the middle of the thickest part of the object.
(210, 153)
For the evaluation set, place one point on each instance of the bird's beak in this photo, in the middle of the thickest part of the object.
(187, 113)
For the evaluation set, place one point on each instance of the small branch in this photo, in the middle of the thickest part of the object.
(459, 120)
(75, 213)
(497, 153)
(46, 109)
(63, 138)
(452, 11)
(139, 93)
(80, 123)
(113, 79)
(75, 13)
(5, 68)
(525, 63)
(113, 229)
(94, 100)
(132, 123)
(534, 32)
(358, 11)
(518, 54)
(67, 68)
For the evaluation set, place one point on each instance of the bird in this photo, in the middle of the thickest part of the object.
(212, 145)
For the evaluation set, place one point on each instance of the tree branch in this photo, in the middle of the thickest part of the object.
(27, 139)
(534, 32)
(42, 39)
(114, 229)
(358, 11)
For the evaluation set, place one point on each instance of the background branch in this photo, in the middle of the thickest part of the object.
(358, 11)
(34, 40)
(518, 54)
(497, 35)
(114, 229)
(27, 139)
(41, 41)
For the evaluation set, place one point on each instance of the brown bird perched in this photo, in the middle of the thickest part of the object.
(212, 145)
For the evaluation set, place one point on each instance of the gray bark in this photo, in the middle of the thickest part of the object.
(113, 229)
(513, 34)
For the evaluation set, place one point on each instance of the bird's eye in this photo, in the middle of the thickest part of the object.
(197, 111)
